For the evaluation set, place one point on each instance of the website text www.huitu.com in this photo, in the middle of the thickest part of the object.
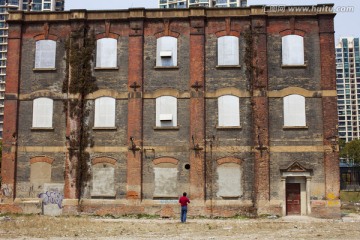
(315, 9)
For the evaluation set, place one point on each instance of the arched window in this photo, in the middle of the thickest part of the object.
(292, 50)
(228, 50)
(294, 111)
(229, 180)
(104, 112)
(166, 52)
(103, 177)
(42, 113)
(40, 173)
(166, 177)
(229, 111)
(106, 53)
(166, 111)
(45, 54)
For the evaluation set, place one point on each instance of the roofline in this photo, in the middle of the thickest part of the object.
(142, 13)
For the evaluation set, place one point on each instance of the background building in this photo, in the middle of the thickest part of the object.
(5, 7)
(201, 3)
(348, 87)
(126, 110)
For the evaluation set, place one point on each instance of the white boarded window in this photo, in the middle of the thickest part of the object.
(229, 111)
(165, 181)
(292, 50)
(166, 111)
(229, 180)
(103, 180)
(106, 53)
(45, 54)
(42, 113)
(228, 50)
(294, 111)
(40, 173)
(104, 112)
(166, 52)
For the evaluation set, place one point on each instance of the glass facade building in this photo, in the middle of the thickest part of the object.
(201, 3)
(348, 87)
(5, 7)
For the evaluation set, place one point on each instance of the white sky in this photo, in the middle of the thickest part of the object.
(346, 23)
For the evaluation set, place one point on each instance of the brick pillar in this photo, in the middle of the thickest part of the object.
(72, 130)
(197, 108)
(9, 151)
(328, 82)
(135, 106)
(260, 107)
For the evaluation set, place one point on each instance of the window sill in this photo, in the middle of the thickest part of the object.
(228, 127)
(42, 129)
(227, 66)
(165, 197)
(166, 68)
(294, 66)
(104, 128)
(167, 128)
(97, 196)
(294, 127)
(105, 68)
(44, 69)
(231, 197)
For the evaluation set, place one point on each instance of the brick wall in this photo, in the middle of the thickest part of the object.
(261, 146)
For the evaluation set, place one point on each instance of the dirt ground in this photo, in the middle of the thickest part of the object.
(91, 227)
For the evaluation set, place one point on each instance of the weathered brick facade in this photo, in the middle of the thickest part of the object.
(128, 159)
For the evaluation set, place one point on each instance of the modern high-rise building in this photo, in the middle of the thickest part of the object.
(201, 3)
(348, 87)
(5, 7)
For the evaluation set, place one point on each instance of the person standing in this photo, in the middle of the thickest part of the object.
(183, 202)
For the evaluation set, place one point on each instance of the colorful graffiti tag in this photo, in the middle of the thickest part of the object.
(52, 197)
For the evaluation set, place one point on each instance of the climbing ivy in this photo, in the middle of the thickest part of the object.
(79, 81)
(249, 56)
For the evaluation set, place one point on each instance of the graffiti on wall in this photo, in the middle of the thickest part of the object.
(52, 197)
(6, 191)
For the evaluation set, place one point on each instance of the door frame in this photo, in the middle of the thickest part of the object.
(304, 178)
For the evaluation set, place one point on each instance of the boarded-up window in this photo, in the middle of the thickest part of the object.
(228, 50)
(166, 111)
(104, 112)
(40, 173)
(165, 180)
(229, 180)
(294, 110)
(45, 54)
(103, 180)
(229, 111)
(292, 50)
(166, 52)
(106, 53)
(42, 113)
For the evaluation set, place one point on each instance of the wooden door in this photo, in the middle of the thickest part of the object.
(293, 204)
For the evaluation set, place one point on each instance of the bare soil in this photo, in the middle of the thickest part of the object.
(91, 227)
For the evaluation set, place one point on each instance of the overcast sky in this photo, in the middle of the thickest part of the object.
(346, 23)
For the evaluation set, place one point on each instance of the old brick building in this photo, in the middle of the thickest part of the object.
(115, 112)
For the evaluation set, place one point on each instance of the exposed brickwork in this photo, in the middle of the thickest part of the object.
(103, 160)
(228, 160)
(328, 81)
(135, 116)
(260, 106)
(165, 160)
(135, 147)
(41, 159)
(197, 114)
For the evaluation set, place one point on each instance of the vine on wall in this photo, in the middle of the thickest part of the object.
(79, 82)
